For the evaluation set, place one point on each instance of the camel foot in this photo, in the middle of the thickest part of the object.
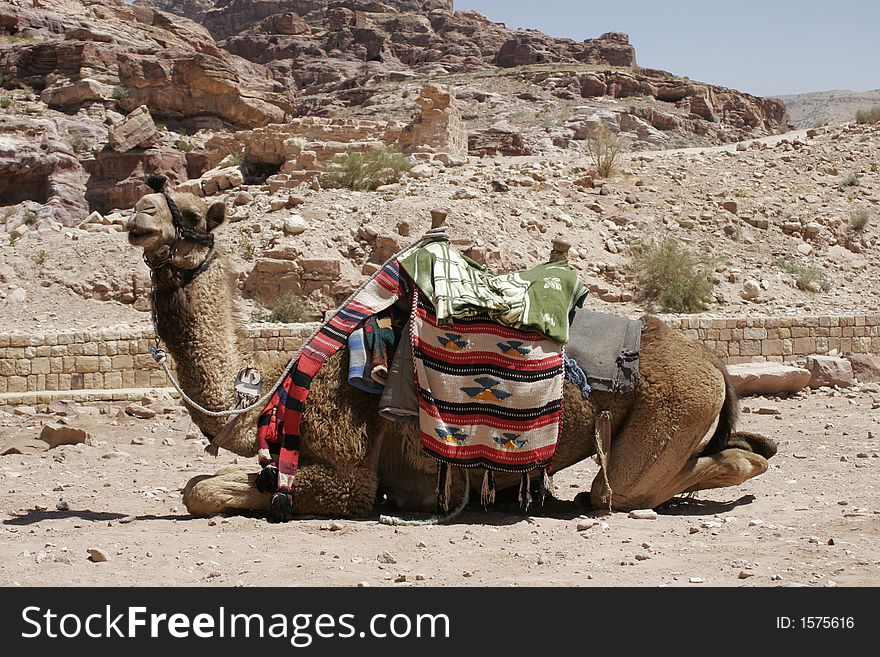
(230, 489)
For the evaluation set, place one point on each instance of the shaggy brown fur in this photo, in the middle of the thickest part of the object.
(349, 453)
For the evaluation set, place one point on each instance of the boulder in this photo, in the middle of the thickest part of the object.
(76, 93)
(27, 446)
(55, 434)
(866, 368)
(136, 129)
(829, 371)
(763, 378)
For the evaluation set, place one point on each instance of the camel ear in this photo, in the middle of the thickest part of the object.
(216, 215)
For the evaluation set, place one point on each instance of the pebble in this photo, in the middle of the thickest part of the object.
(744, 575)
(386, 557)
(62, 506)
(756, 522)
(138, 411)
(643, 514)
(586, 523)
(696, 580)
(115, 455)
(98, 555)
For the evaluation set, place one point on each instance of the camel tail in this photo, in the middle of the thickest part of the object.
(726, 418)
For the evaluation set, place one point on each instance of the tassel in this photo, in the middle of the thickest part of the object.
(545, 485)
(444, 486)
(267, 480)
(487, 493)
(281, 508)
(525, 493)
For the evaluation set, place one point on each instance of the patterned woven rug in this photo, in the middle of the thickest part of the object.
(489, 395)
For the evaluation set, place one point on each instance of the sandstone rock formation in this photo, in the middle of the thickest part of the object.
(114, 52)
(438, 127)
(38, 164)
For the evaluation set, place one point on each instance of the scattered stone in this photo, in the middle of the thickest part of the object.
(295, 225)
(62, 506)
(586, 523)
(386, 557)
(751, 289)
(643, 514)
(138, 411)
(27, 446)
(55, 434)
(98, 555)
(696, 580)
(745, 575)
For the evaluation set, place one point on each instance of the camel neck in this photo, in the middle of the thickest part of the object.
(196, 324)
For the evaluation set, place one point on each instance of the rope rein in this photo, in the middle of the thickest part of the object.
(395, 521)
(161, 357)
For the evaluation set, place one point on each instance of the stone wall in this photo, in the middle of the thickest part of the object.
(41, 367)
(781, 339)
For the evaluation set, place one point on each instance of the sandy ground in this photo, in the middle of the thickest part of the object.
(813, 519)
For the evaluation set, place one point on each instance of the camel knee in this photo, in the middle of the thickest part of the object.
(326, 490)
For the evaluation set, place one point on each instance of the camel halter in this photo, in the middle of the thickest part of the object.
(181, 232)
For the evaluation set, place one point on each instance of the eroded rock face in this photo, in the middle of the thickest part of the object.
(116, 180)
(135, 55)
(38, 164)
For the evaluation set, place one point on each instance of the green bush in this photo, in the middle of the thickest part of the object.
(287, 309)
(852, 180)
(859, 219)
(5, 101)
(675, 277)
(360, 171)
(604, 147)
(868, 115)
(120, 92)
(806, 278)
(184, 146)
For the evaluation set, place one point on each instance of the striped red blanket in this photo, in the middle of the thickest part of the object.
(278, 427)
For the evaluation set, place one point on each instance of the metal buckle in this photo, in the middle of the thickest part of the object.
(248, 383)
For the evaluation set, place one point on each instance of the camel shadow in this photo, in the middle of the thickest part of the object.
(32, 516)
(689, 506)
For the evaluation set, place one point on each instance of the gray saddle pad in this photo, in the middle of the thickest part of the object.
(606, 347)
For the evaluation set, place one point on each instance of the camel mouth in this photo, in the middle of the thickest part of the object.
(138, 236)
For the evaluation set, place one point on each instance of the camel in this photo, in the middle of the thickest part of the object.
(350, 454)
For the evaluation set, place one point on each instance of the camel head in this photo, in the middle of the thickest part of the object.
(174, 228)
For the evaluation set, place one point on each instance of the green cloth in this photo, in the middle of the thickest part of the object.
(538, 299)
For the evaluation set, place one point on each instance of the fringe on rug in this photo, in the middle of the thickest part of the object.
(525, 493)
(487, 492)
(444, 486)
(545, 485)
